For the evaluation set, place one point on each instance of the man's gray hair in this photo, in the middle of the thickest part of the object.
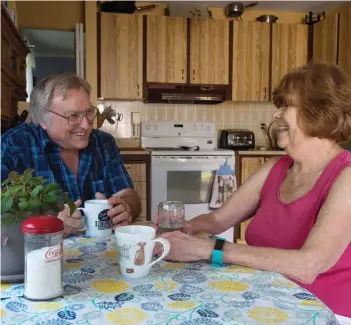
(42, 94)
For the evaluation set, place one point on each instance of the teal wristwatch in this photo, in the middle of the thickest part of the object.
(217, 254)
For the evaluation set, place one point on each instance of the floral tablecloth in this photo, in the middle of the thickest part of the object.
(173, 293)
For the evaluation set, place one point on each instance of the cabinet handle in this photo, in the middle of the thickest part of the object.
(193, 74)
(265, 92)
(182, 74)
(138, 89)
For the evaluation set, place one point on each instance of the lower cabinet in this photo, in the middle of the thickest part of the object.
(138, 169)
(246, 166)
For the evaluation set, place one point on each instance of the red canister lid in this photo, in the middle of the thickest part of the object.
(41, 225)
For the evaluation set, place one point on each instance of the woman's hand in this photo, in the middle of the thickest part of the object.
(186, 248)
(73, 223)
(120, 212)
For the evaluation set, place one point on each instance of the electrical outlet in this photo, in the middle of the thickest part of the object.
(135, 118)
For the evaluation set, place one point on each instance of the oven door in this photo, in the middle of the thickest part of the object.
(188, 179)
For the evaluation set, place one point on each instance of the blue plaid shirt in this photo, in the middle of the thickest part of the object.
(100, 168)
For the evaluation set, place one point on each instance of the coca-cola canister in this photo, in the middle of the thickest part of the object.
(43, 240)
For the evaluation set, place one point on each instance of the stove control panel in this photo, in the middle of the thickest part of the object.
(172, 129)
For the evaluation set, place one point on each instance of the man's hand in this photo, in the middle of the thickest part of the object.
(120, 212)
(73, 223)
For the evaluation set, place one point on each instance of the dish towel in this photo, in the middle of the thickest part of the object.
(223, 186)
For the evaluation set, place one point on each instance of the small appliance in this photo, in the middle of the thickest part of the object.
(236, 139)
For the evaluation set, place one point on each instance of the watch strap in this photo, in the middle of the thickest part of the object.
(217, 254)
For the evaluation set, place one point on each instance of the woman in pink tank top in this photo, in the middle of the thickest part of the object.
(300, 203)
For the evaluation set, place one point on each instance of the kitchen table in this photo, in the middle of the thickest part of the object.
(173, 293)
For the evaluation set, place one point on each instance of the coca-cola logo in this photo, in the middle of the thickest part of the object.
(53, 254)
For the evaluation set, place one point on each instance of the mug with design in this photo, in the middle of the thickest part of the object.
(97, 222)
(135, 245)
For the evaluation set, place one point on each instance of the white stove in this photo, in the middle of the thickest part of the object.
(184, 160)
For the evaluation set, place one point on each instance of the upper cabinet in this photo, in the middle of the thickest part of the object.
(121, 56)
(251, 44)
(166, 56)
(344, 58)
(289, 49)
(209, 51)
(325, 37)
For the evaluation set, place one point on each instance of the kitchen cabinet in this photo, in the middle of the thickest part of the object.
(121, 56)
(325, 37)
(251, 42)
(13, 69)
(138, 168)
(246, 165)
(344, 59)
(209, 51)
(289, 49)
(166, 57)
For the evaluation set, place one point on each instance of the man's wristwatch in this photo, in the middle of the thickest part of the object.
(217, 254)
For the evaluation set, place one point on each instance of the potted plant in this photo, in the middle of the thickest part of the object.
(23, 196)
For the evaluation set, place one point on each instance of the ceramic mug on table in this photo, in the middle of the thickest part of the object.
(135, 245)
(97, 222)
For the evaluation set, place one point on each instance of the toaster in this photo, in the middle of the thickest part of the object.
(236, 139)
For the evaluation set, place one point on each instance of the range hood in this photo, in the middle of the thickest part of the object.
(186, 93)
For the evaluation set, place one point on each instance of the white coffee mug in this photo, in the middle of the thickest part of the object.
(97, 222)
(135, 245)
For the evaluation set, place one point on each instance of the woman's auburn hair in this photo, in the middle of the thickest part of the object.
(322, 94)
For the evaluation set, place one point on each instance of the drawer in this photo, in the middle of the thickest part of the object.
(137, 172)
(140, 188)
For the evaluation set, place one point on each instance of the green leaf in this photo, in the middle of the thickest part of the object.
(29, 171)
(5, 182)
(12, 176)
(6, 204)
(51, 187)
(33, 205)
(71, 205)
(37, 190)
(37, 180)
(15, 189)
(25, 177)
(23, 205)
(50, 197)
(8, 220)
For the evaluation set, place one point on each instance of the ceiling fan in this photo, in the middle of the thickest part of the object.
(236, 9)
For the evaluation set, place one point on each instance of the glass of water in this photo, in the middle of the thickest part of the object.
(171, 216)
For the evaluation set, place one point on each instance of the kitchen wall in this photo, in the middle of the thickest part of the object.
(225, 115)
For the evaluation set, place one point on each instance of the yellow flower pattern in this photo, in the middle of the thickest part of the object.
(182, 304)
(72, 253)
(109, 286)
(283, 284)
(175, 265)
(48, 305)
(166, 285)
(2, 313)
(312, 303)
(238, 269)
(73, 265)
(228, 286)
(268, 315)
(5, 286)
(111, 254)
(127, 316)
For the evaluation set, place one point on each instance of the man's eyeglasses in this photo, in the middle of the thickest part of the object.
(75, 119)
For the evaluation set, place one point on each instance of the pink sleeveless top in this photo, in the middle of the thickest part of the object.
(286, 226)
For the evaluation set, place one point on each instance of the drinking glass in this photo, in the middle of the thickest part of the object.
(171, 216)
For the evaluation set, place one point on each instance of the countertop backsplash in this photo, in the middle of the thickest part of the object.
(242, 115)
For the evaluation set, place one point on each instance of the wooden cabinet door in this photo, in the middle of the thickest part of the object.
(248, 166)
(166, 49)
(325, 39)
(289, 49)
(251, 42)
(121, 56)
(209, 51)
(344, 59)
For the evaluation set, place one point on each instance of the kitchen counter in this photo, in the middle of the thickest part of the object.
(261, 152)
(134, 151)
